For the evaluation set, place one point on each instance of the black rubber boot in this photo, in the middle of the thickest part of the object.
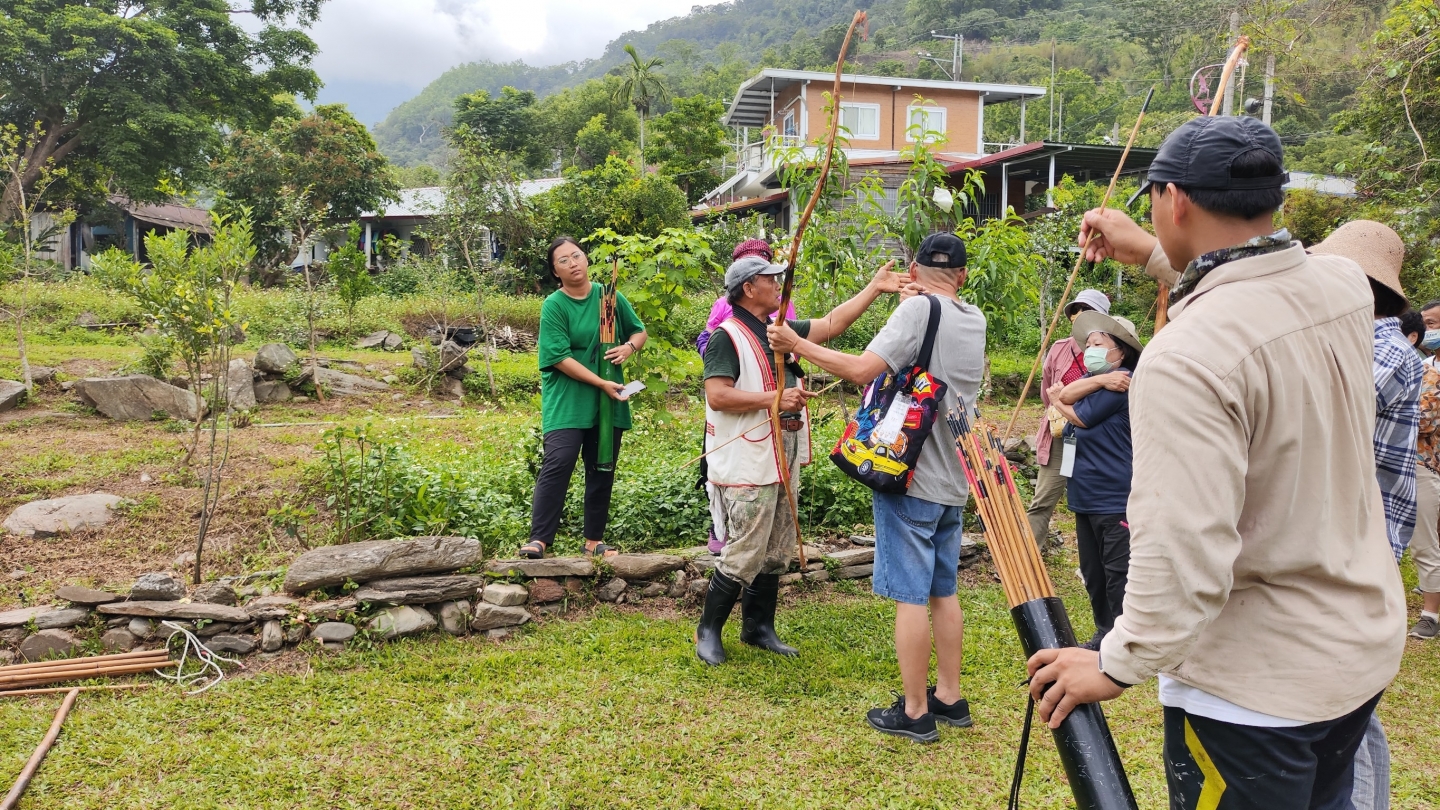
(719, 600)
(757, 607)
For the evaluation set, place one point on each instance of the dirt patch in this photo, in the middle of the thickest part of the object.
(44, 455)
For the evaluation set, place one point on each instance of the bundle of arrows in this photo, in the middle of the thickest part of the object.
(1007, 531)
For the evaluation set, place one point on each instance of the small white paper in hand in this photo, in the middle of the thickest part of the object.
(631, 389)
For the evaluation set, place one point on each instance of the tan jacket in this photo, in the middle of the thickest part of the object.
(1259, 568)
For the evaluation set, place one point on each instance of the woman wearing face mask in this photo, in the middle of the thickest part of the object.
(570, 392)
(1098, 444)
(1064, 364)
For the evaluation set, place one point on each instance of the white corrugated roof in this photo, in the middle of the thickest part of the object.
(1322, 183)
(427, 201)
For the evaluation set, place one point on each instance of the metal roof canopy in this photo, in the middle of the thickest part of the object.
(1083, 161)
(754, 100)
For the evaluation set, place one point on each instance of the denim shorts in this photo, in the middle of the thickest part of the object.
(917, 548)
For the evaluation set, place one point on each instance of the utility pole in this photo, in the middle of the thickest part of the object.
(1050, 129)
(1229, 108)
(1269, 87)
(957, 52)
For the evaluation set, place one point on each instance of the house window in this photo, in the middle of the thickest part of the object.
(925, 122)
(788, 127)
(862, 121)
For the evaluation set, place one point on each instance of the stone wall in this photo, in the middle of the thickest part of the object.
(377, 591)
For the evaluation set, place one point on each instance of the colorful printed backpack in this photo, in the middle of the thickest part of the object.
(881, 445)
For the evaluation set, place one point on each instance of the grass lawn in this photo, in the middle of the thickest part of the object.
(610, 710)
(606, 708)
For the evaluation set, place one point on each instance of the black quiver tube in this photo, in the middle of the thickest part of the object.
(1087, 751)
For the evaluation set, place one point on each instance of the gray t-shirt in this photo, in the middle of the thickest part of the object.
(959, 359)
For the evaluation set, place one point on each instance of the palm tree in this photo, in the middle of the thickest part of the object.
(641, 86)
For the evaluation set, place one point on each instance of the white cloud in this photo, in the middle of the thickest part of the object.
(410, 42)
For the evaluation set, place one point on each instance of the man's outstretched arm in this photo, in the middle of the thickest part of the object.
(841, 317)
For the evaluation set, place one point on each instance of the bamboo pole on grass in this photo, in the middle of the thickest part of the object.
(13, 797)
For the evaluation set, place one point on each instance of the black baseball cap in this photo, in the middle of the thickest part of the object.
(942, 250)
(1198, 155)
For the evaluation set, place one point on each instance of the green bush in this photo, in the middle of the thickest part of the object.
(516, 376)
(379, 487)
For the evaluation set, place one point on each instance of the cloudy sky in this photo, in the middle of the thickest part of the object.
(375, 54)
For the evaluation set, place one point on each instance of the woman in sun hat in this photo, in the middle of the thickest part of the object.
(1064, 364)
(1097, 442)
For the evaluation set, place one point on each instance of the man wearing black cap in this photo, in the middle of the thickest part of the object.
(1262, 590)
(740, 381)
(917, 534)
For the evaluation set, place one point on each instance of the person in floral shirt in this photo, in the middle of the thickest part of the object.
(1425, 543)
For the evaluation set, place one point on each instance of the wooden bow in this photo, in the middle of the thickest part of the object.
(789, 289)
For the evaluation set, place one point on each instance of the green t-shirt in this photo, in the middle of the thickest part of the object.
(571, 328)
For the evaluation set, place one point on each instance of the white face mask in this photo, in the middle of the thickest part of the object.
(1431, 341)
(1097, 360)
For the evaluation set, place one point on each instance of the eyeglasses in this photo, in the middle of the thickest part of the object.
(566, 261)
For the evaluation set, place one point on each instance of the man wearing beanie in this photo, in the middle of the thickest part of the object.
(1064, 364)
(740, 382)
(1262, 589)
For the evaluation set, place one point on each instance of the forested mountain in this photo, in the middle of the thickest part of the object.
(1105, 55)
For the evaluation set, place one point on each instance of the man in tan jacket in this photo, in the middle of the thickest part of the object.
(1262, 590)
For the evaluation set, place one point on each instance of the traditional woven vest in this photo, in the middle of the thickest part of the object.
(749, 461)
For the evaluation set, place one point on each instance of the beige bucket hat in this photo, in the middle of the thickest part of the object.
(1092, 321)
(1373, 245)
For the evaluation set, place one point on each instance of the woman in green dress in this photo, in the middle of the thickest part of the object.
(571, 387)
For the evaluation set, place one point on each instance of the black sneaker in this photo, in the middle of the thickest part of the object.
(893, 720)
(951, 714)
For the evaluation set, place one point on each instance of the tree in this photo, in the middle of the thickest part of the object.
(482, 201)
(596, 141)
(641, 86)
(185, 293)
(510, 121)
(1398, 111)
(421, 176)
(327, 156)
(135, 93)
(20, 239)
(346, 265)
(655, 273)
(614, 196)
(689, 142)
(572, 111)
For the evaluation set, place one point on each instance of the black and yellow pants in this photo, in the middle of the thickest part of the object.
(1214, 765)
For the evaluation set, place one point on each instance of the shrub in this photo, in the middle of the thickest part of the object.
(380, 488)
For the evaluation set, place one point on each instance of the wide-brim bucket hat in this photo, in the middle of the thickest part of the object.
(1373, 245)
(1092, 321)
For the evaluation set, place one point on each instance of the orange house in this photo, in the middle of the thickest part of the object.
(881, 116)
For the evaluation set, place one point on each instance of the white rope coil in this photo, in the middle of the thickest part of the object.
(209, 662)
